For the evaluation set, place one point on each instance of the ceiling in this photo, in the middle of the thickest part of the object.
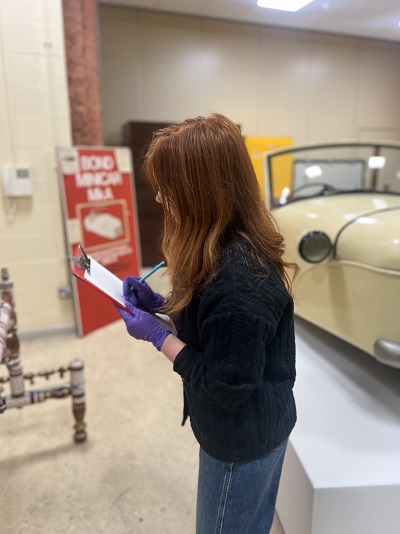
(374, 19)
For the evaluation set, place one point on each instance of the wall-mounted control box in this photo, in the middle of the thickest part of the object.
(17, 181)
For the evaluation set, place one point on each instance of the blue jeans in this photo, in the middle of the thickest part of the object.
(238, 498)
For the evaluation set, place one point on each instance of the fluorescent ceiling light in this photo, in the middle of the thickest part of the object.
(283, 5)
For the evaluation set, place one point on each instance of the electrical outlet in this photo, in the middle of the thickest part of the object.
(65, 292)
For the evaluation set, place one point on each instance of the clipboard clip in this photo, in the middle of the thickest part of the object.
(83, 262)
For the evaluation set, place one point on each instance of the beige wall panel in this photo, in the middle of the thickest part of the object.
(230, 41)
(2, 68)
(53, 310)
(28, 132)
(5, 139)
(61, 103)
(22, 35)
(42, 163)
(272, 81)
(282, 94)
(38, 246)
(34, 118)
(378, 102)
(3, 106)
(230, 70)
(47, 224)
(149, 65)
(180, 37)
(46, 194)
(172, 73)
(5, 155)
(32, 10)
(332, 88)
(160, 87)
(124, 87)
(58, 73)
(122, 22)
(32, 103)
(25, 69)
(122, 78)
(53, 10)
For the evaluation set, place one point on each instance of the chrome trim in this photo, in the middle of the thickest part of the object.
(311, 235)
(387, 352)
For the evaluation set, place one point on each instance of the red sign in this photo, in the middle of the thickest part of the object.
(100, 214)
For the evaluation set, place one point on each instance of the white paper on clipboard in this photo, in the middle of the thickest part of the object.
(103, 280)
(111, 286)
(106, 281)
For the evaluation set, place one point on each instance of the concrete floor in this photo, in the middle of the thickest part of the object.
(136, 473)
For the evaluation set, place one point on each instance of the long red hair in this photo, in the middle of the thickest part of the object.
(207, 185)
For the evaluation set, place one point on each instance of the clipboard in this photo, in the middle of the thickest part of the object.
(101, 279)
(93, 273)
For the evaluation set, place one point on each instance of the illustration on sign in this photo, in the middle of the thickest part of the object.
(103, 224)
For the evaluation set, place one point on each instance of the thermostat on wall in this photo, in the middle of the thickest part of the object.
(17, 181)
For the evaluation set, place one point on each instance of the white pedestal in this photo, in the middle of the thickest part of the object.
(342, 468)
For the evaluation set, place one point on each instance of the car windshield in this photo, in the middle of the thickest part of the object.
(296, 173)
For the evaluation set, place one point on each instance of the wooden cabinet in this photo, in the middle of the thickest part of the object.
(137, 136)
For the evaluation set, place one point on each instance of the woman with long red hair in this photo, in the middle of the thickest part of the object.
(234, 344)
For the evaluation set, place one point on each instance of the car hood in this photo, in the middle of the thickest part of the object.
(364, 227)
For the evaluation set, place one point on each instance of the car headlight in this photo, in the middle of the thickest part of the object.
(315, 247)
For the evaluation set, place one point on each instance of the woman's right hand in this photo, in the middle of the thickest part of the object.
(140, 294)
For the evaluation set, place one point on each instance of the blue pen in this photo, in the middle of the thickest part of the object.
(153, 270)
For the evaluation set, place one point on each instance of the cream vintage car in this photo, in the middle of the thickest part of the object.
(338, 207)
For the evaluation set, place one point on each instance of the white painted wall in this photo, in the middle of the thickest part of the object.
(34, 118)
(274, 82)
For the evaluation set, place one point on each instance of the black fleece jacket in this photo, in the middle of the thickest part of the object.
(238, 367)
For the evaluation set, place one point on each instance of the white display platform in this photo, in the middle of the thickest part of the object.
(341, 473)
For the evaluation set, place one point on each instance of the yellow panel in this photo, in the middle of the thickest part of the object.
(281, 175)
(257, 146)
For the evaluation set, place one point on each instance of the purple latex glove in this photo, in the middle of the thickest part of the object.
(142, 295)
(143, 325)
